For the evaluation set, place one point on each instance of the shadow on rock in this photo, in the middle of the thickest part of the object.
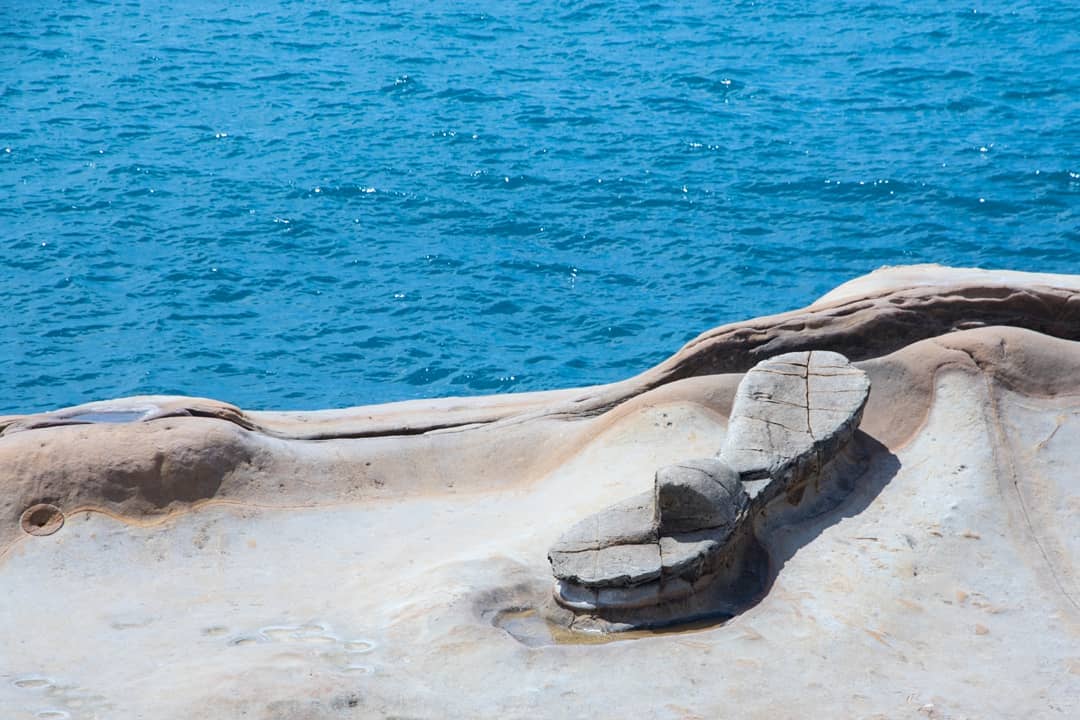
(846, 487)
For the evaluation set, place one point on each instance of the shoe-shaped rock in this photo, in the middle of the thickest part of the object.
(662, 555)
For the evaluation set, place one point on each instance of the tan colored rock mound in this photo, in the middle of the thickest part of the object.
(176, 557)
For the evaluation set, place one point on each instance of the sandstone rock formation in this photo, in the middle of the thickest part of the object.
(177, 557)
(687, 549)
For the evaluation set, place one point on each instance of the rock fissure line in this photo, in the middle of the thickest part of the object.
(775, 422)
(1013, 479)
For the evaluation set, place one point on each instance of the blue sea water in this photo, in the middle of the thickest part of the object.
(319, 204)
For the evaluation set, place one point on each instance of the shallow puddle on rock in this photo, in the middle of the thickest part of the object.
(530, 629)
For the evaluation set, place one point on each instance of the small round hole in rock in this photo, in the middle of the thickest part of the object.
(42, 519)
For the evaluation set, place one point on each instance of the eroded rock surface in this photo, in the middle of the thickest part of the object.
(390, 561)
(691, 542)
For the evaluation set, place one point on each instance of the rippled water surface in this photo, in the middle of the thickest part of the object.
(313, 204)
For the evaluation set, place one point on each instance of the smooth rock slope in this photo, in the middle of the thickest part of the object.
(180, 557)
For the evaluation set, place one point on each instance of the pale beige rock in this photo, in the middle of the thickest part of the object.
(888, 279)
(234, 566)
